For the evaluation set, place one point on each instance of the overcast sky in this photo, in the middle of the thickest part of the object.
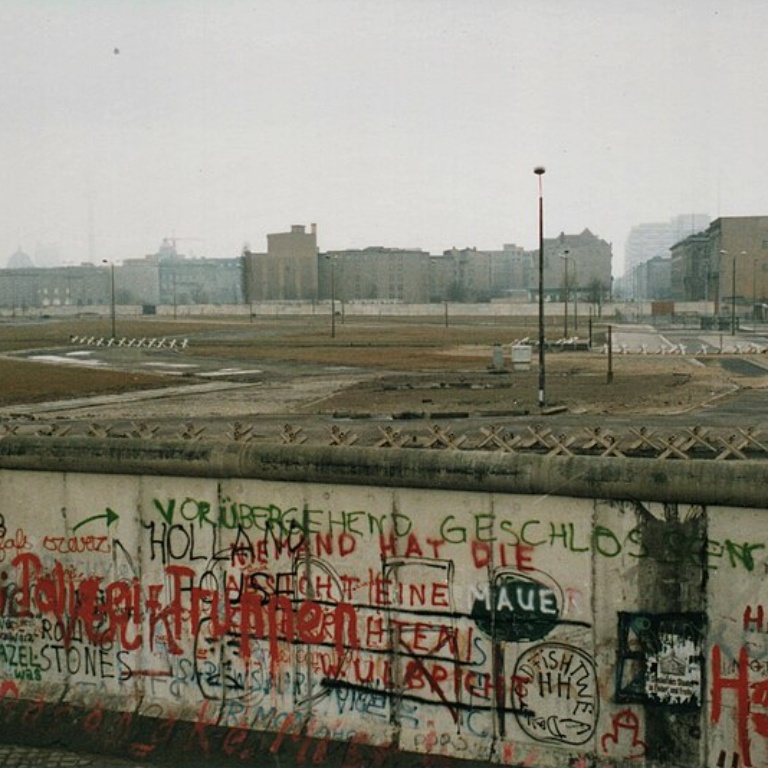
(404, 123)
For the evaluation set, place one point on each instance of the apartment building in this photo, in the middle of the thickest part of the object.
(375, 273)
(726, 263)
(588, 260)
(645, 241)
(288, 271)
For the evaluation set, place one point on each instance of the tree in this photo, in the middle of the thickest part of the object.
(596, 293)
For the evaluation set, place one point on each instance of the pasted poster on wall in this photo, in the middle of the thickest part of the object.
(660, 659)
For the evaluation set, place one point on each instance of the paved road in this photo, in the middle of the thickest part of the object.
(12, 756)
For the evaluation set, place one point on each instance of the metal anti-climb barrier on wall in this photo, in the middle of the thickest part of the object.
(684, 443)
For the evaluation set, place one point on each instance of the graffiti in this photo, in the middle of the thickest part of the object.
(749, 704)
(511, 541)
(77, 545)
(555, 694)
(13, 545)
(457, 631)
(109, 516)
(20, 661)
(271, 518)
(177, 543)
(517, 607)
(623, 740)
(754, 619)
(660, 659)
(115, 610)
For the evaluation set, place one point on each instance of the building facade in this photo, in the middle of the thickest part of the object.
(39, 288)
(726, 264)
(738, 255)
(645, 241)
(653, 279)
(692, 270)
(375, 273)
(288, 271)
(585, 259)
(293, 269)
(165, 277)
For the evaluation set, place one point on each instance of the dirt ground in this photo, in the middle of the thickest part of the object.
(576, 382)
(367, 368)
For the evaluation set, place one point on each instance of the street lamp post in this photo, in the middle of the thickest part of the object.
(707, 279)
(754, 287)
(733, 297)
(333, 297)
(112, 295)
(539, 171)
(566, 258)
(575, 298)
(733, 310)
(733, 290)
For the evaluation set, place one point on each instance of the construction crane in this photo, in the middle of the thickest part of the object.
(173, 240)
(170, 242)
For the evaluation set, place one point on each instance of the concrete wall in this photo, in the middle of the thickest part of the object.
(337, 606)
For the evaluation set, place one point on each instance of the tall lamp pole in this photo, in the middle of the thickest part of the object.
(539, 171)
(566, 258)
(575, 297)
(111, 294)
(733, 290)
(333, 297)
(733, 297)
(754, 288)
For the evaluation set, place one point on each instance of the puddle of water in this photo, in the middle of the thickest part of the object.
(65, 360)
(231, 372)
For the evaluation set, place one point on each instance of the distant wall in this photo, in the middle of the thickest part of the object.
(337, 606)
(497, 308)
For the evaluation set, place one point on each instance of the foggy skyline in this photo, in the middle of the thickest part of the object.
(403, 124)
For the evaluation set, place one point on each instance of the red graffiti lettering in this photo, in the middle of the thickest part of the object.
(748, 695)
(516, 555)
(19, 543)
(77, 544)
(113, 612)
(625, 735)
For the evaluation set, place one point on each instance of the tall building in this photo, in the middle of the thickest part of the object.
(287, 271)
(645, 241)
(691, 271)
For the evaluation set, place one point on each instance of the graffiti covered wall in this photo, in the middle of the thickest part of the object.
(502, 626)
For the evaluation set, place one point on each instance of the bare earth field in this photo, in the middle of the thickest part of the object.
(370, 367)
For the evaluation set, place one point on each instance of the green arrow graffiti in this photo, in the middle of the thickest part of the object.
(110, 515)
